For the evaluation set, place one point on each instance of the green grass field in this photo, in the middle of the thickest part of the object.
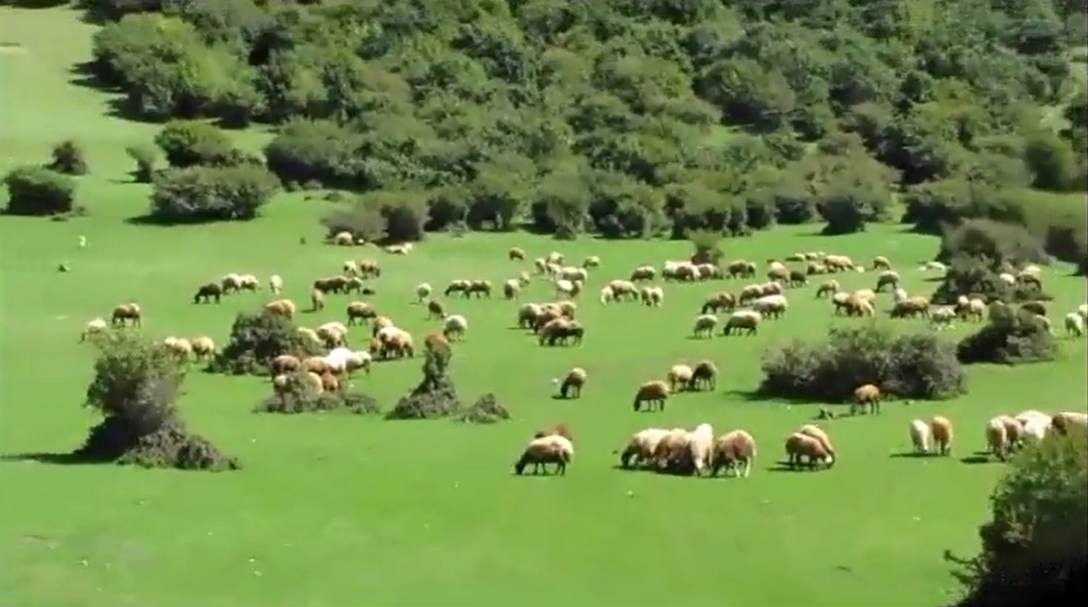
(338, 510)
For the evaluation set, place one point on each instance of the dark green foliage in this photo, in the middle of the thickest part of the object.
(708, 247)
(301, 399)
(628, 120)
(38, 191)
(67, 159)
(1035, 547)
(435, 396)
(917, 366)
(996, 244)
(255, 339)
(145, 157)
(1011, 337)
(379, 217)
(211, 193)
(486, 410)
(135, 387)
(975, 277)
(187, 143)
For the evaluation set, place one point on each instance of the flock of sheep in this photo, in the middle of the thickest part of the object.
(554, 323)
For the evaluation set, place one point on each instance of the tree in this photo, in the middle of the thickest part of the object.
(68, 159)
(205, 193)
(39, 191)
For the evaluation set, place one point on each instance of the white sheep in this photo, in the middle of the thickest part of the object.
(1074, 324)
(564, 288)
(608, 294)
(550, 449)
(705, 325)
(423, 291)
(350, 268)
(640, 449)
(920, 436)
(333, 333)
(345, 360)
(1082, 310)
(899, 295)
(701, 443)
(771, 306)
(275, 284)
(97, 326)
(454, 327)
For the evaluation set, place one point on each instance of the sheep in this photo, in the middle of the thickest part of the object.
(179, 346)
(281, 307)
(800, 447)
(743, 320)
(1074, 325)
(911, 307)
(653, 296)
(828, 287)
(93, 327)
(317, 300)
(359, 312)
(516, 254)
(1082, 310)
(332, 334)
(527, 315)
(591, 262)
(814, 431)
(797, 279)
(838, 263)
(642, 446)
(942, 317)
(399, 249)
(750, 293)
(566, 288)
(679, 376)
(701, 444)
(940, 428)
(310, 336)
(284, 363)
(723, 300)
(778, 273)
(208, 292)
(314, 382)
(275, 284)
(203, 347)
(867, 394)
(704, 375)
(574, 274)
(398, 343)
(562, 331)
(129, 312)
(997, 438)
(511, 288)
(704, 325)
(771, 306)
(559, 429)
(736, 452)
(249, 282)
(643, 273)
(315, 364)
(454, 327)
(1014, 431)
(423, 291)
(571, 386)
(229, 283)
(898, 295)
(653, 393)
(920, 436)
(887, 278)
(546, 450)
(331, 284)
(608, 294)
(342, 239)
(347, 361)
(673, 452)
(1069, 421)
(881, 263)
(329, 382)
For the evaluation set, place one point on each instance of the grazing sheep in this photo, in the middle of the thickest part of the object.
(642, 446)
(740, 269)
(284, 363)
(866, 395)
(314, 383)
(817, 433)
(203, 347)
(920, 436)
(653, 296)
(347, 361)
(881, 263)
(574, 274)
(704, 375)
(317, 300)
(996, 438)
(828, 287)
(179, 346)
(129, 312)
(679, 377)
(940, 428)
(454, 327)
(359, 312)
(540, 452)
(249, 282)
(423, 291)
(1082, 310)
(719, 301)
(608, 294)
(1074, 324)
(397, 343)
(736, 452)
(642, 273)
(941, 318)
(704, 325)
(435, 341)
(230, 283)
(281, 307)
(838, 263)
(94, 327)
(801, 447)
(910, 307)
(329, 382)
(562, 331)
(673, 452)
(275, 284)
(511, 288)
(743, 320)
(516, 254)
(771, 306)
(436, 309)
(315, 364)
(566, 288)
(591, 262)
(701, 444)
(1069, 421)
(208, 292)
(652, 393)
(332, 334)
(1014, 432)
(572, 384)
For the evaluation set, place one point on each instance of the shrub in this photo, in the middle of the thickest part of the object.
(909, 366)
(199, 194)
(135, 386)
(998, 244)
(320, 151)
(301, 399)
(255, 339)
(1010, 338)
(187, 143)
(486, 410)
(38, 191)
(67, 159)
(1034, 547)
(435, 396)
(708, 247)
(380, 217)
(975, 277)
(145, 157)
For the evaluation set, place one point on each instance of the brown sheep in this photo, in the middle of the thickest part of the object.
(380, 322)
(285, 363)
(942, 432)
(400, 345)
(887, 278)
(129, 312)
(673, 453)
(435, 309)
(741, 269)
(546, 450)
(997, 438)
(801, 447)
(315, 364)
(734, 451)
(516, 254)
(436, 341)
(866, 395)
(679, 377)
(911, 307)
(359, 312)
(704, 375)
(1069, 421)
(313, 382)
(797, 279)
(329, 383)
(881, 263)
(559, 429)
(723, 301)
(778, 275)
(654, 394)
(203, 347)
(332, 284)
(208, 292)
(817, 433)
(572, 384)
(281, 307)
(1035, 307)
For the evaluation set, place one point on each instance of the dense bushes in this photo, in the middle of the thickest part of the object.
(198, 194)
(34, 190)
(909, 366)
(1010, 337)
(68, 159)
(621, 119)
(977, 252)
(973, 277)
(135, 387)
(301, 398)
(255, 339)
(435, 396)
(1035, 547)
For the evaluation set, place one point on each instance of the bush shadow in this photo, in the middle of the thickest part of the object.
(82, 75)
(784, 467)
(978, 458)
(57, 459)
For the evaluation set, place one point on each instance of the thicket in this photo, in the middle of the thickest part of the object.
(40, 191)
(255, 339)
(135, 389)
(914, 366)
(436, 396)
(620, 118)
(301, 397)
(1011, 337)
(1035, 548)
(977, 252)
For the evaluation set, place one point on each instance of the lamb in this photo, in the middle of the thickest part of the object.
(771, 306)
(736, 452)
(866, 395)
(454, 327)
(679, 376)
(359, 312)
(801, 447)
(127, 312)
(642, 446)
(511, 288)
(93, 328)
(423, 291)
(652, 393)
(546, 450)
(920, 436)
(1074, 324)
(701, 444)
(203, 347)
(704, 325)
(208, 292)
(996, 438)
(275, 284)
(572, 384)
(704, 375)
(281, 307)
(940, 428)
(743, 320)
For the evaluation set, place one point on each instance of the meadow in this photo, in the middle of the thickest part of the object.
(342, 510)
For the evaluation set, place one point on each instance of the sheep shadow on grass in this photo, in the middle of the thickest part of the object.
(979, 457)
(913, 455)
(785, 467)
